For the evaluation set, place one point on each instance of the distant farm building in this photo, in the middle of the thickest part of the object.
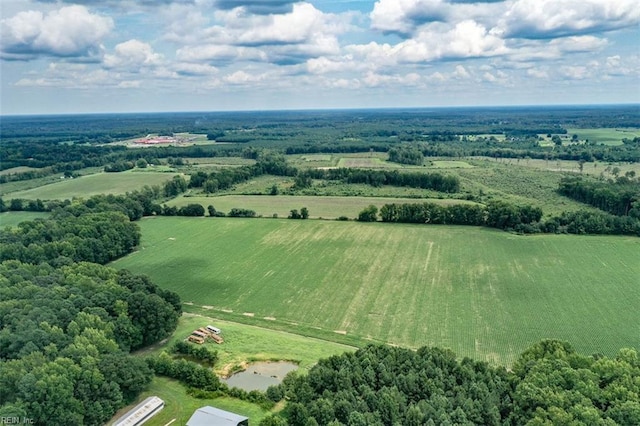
(210, 416)
(156, 140)
(141, 412)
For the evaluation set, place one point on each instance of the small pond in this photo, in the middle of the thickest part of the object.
(261, 375)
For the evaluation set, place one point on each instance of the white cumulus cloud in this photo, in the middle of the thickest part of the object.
(70, 31)
(557, 18)
(132, 54)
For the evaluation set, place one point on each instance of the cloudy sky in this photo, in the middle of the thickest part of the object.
(72, 56)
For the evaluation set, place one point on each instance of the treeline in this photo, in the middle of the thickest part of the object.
(380, 385)
(134, 204)
(406, 155)
(434, 181)
(620, 197)
(60, 156)
(502, 215)
(496, 214)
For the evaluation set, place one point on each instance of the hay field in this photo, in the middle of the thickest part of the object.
(483, 293)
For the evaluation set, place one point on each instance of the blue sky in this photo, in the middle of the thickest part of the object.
(66, 56)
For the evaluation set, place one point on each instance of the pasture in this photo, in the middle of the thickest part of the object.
(483, 293)
(366, 163)
(179, 406)
(99, 183)
(247, 343)
(281, 205)
(12, 219)
(449, 164)
(19, 169)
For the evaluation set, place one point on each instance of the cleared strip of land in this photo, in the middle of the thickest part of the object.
(483, 293)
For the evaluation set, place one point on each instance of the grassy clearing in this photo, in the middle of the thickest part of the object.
(605, 135)
(281, 205)
(180, 406)
(447, 164)
(590, 168)
(12, 219)
(316, 157)
(246, 343)
(366, 163)
(99, 183)
(514, 181)
(483, 293)
(19, 169)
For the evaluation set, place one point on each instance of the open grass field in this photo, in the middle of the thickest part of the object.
(247, 343)
(14, 218)
(596, 168)
(20, 169)
(521, 182)
(99, 183)
(606, 136)
(483, 293)
(448, 164)
(324, 207)
(179, 406)
(366, 163)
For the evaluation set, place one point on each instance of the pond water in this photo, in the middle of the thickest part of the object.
(261, 375)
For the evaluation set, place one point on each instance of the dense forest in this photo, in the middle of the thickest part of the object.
(550, 384)
(67, 323)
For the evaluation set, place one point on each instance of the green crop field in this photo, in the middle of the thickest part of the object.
(483, 293)
(324, 207)
(605, 135)
(99, 183)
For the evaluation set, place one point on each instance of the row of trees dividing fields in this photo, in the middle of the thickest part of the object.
(498, 214)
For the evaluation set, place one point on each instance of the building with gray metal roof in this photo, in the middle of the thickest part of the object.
(141, 412)
(211, 416)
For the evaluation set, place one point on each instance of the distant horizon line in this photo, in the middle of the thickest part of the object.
(329, 109)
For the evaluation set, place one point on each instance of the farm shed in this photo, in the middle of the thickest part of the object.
(141, 412)
(211, 416)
